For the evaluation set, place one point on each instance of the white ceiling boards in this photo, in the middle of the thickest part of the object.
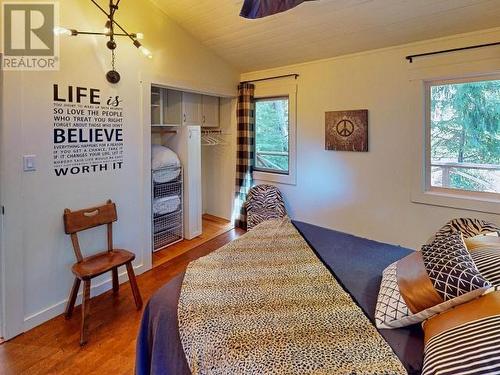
(324, 28)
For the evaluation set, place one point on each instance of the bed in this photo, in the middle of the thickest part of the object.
(165, 345)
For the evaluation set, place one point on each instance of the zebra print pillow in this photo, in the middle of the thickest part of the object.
(485, 251)
(468, 227)
(464, 340)
(470, 349)
(264, 202)
(487, 260)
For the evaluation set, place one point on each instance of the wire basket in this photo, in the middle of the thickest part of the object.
(168, 228)
(167, 221)
(167, 237)
(167, 189)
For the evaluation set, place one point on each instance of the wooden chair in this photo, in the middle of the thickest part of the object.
(87, 268)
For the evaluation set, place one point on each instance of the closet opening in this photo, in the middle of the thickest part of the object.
(192, 170)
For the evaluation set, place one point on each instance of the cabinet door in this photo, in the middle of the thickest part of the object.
(172, 110)
(191, 104)
(192, 184)
(210, 111)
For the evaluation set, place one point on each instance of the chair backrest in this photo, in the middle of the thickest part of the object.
(265, 196)
(77, 221)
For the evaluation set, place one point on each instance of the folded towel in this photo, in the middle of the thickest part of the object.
(162, 157)
(162, 206)
(166, 174)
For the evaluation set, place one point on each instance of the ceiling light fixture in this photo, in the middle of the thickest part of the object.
(109, 31)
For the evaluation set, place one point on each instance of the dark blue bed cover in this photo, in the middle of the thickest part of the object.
(356, 263)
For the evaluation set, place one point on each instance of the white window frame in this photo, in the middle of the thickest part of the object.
(273, 90)
(422, 191)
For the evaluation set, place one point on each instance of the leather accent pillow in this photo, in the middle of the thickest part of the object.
(464, 339)
(485, 251)
(428, 282)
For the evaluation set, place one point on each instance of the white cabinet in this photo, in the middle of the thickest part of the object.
(156, 106)
(209, 111)
(172, 112)
(174, 108)
(166, 107)
(187, 144)
(191, 107)
(193, 189)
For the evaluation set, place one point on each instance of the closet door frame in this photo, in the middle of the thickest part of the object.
(146, 80)
(11, 243)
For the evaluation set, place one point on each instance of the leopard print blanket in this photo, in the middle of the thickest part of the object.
(265, 304)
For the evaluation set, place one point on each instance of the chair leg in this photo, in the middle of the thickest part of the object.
(133, 285)
(72, 298)
(85, 312)
(116, 284)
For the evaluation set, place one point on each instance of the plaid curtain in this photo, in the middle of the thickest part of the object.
(245, 138)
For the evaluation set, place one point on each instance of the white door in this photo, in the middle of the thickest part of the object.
(191, 104)
(192, 183)
(210, 111)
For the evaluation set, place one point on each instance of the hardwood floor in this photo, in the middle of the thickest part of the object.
(53, 347)
(212, 227)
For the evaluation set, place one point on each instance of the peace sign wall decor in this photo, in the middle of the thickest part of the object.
(346, 130)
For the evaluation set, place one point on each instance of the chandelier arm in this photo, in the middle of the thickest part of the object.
(116, 23)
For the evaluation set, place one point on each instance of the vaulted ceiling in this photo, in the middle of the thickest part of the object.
(324, 28)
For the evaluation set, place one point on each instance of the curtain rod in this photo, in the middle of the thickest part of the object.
(275, 77)
(411, 57)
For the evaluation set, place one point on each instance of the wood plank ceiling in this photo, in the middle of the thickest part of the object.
(324, 28)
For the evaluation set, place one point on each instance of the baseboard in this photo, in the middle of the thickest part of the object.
(50, 312)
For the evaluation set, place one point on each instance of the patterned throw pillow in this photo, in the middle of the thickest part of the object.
(469, 227)
(465, 339)
(428, 282)
(485, 251)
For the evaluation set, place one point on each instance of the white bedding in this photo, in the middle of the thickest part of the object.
(162, 157)
(162, 206)
(165, 175)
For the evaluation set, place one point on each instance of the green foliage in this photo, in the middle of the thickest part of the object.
(271, 135)
(465, 128)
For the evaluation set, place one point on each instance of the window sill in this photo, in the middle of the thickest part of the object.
(288, 179)
(458, 199)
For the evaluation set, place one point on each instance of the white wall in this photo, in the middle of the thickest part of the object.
(34, 201)
(368, 194)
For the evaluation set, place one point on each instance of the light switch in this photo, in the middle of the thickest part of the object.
(29, 163)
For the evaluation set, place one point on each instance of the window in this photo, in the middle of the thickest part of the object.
(271, 135)
(464, 136)
(275, 133)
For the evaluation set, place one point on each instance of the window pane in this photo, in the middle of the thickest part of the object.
(465, 136)
(271, 135)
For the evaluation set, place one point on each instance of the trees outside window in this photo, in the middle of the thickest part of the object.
(464, 121)
(271, 135)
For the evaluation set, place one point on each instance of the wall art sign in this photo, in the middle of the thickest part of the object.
(346, 130)
(87, 131)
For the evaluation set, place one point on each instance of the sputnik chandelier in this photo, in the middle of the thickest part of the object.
(109, 31)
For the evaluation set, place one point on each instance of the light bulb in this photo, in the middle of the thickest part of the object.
(139, 36)
(146, 52)
(58, 30)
